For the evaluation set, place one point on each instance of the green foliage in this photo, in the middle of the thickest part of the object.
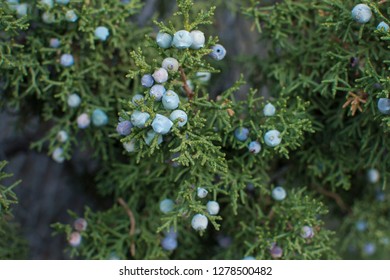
(36, 77)
(317, 51)
(203, 153)
(283, 225)
(375, 217)
(7, 196)
(324, 73)
(12, 246)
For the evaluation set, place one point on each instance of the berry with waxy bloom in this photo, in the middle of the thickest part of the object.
(74, 100)
(182, 39)
(373, 175)
(161, 124)
(83, 121)
(160, 75)
(157, 92)
(307, 232)
(179, 115)
(272, 138)
(102, 33)
(198, 39)
(241, 133)
(169, 243)
(74, 239)
(139, 118)
(80, 224)
(170, 100)
(218, 52)
(279, 193)
(164, 40)
(129, 146)
(147, 80)
(361, 13)
(67, 60)
(124, 128)
(170, 64)
(150, 136)
(199, 222)
(58, 155)
(62, 136)
(276, 252)
(254, 147)
(212, 207)
(54, 43)
(269, 110)
(202, 192)
(166, 205)
(71, 16)
(99, 117)
(137, 99)
(384, 106)
(383, 26)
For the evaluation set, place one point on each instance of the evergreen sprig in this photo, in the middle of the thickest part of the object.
(12, 245)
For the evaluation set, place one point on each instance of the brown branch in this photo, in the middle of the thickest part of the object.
(339, 201)
(187, 89)
(132, 224)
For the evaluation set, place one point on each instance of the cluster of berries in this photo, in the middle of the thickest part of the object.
(271, 138)
(98, 116)
(75, 238)
(169, 99)
(101, 32)
(160, 122)
(199, 221)
(183, 39)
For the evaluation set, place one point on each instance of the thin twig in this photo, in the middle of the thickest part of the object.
(132, 224)
(271, 214)
(187, 89)
(339, 201)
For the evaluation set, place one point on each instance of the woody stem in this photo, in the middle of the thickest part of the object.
(187, 89)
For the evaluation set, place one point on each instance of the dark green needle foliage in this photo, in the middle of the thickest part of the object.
(36, 82)
(203, 153)
(317, 51)
(315, 133)
(12, 246)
